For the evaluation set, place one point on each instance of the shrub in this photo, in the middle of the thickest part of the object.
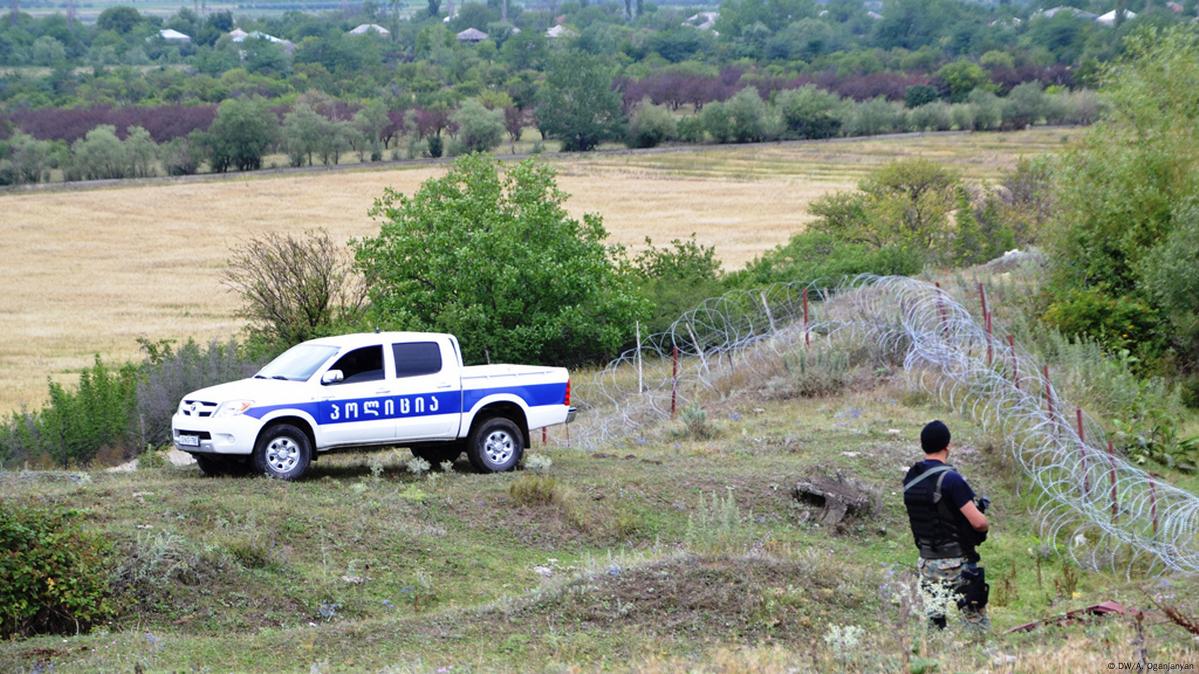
(809, 112)
(715, 527)
(675, 279)
(813, 373)
(691, 129)
(930, 117)
(183, 156)
(1024, 106)
(75, 425)
(479, 129)
(54, 575)
(650, 125)
(747, 115)
(717, 122)
(825, 260)
(988, 110)
(294, 288)
(538, 463)
(545, 288)
(169, 373)
(694, 424)
(920, 94)
(1117, 322)
(872, 117)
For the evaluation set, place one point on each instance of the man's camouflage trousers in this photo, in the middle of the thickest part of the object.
(947, 573)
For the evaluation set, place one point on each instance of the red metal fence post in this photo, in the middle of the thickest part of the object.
(544, 435)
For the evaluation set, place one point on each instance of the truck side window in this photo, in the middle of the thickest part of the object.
(359, 365)
(417, 358)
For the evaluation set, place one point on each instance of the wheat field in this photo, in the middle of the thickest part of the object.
(88, 271)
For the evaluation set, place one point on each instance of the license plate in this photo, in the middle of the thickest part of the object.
(187, 440)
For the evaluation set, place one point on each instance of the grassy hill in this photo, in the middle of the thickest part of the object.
(670, 553)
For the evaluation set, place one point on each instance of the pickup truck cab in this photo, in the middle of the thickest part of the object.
(407, 389)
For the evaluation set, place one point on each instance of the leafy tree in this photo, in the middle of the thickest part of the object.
(809, 112)
(240, 135)
(1024, 106)
(919, 94)
(141, 152)
(905, 204)
(540, 287)
(577, 104)
(650, 125)
(100, 154)
(304, 130)
(25, 160)
(747, 112)
(1126, 195)
(479, 129)
(372, 123)
(677, 277)
(120, 20)
(961, 77)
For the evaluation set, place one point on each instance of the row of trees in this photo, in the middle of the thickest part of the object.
(573, 106)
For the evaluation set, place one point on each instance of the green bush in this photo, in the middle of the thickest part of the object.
(650, 125)
(76, 425)
(1118, 322)
(494, 258)
(479, 129)
(809, 112)
(54, 575)
(675, 278)
(826, 260)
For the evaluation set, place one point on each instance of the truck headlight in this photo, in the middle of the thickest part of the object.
(232, 408)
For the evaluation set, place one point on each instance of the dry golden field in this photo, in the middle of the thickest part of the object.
(87, 271)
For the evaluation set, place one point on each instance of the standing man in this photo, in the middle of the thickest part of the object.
(947, 523)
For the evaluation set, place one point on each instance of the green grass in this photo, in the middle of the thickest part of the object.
(660, 551)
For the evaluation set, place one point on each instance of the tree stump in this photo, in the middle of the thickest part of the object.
(838, 497)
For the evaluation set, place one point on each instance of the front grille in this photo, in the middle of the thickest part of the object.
(198, 408)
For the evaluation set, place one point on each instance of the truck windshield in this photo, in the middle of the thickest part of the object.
(297, 363)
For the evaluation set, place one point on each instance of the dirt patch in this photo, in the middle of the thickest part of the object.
(744, 599)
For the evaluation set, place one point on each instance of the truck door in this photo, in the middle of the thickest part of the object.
(355, 410)
(428, 400)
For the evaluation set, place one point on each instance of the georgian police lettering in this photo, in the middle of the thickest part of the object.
(352, 410)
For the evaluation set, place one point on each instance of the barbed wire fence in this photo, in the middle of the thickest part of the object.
(1106, 511)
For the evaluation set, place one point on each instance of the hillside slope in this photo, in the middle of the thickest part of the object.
(670, 553)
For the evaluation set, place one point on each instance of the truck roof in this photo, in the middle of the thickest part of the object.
(367, 338)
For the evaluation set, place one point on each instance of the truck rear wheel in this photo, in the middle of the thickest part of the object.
(495, 445)
(284, 452)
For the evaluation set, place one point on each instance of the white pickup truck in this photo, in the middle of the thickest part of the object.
(406, 389)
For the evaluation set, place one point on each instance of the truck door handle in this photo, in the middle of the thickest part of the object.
(445, 386)
(383, 391)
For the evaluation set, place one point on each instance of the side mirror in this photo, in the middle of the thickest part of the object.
(332, 377)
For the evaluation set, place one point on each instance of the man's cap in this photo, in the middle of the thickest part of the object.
(934, 437)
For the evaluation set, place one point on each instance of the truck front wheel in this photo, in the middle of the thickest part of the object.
(495, 445)
(284, 452)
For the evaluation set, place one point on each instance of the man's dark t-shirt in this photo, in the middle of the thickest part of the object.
(953, 487)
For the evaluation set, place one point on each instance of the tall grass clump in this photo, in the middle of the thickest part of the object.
(715, 527)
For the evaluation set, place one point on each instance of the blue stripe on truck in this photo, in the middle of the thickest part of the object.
(414, 404)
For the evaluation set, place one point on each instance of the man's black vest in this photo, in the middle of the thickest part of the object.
(940, 529)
